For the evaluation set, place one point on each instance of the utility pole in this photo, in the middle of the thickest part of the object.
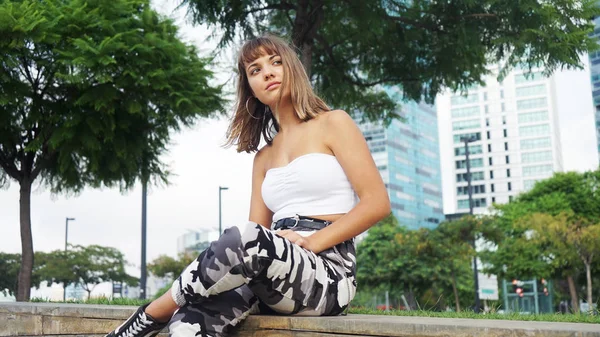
(470, 193)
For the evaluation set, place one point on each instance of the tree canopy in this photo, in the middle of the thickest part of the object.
(351, 49)
(90, 91)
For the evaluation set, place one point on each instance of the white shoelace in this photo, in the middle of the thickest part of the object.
(141, 322)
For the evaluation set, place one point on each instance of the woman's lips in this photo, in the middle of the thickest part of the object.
(273, 85)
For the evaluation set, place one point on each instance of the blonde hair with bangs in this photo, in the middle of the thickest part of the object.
(252, 118)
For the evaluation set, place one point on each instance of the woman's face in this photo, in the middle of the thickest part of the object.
(265, 77)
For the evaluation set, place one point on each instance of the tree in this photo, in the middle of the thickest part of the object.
(517, 255)
(89, 93)
(351, 49)
(9, 269)
(87, 266)
(569, 240)
(390, 258)
(167, 266)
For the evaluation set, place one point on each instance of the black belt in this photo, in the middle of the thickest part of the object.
(300, 222)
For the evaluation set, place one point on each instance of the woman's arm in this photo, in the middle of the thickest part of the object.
(259, 212)
(348, 144)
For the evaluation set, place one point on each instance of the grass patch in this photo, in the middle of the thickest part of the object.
(568, 318)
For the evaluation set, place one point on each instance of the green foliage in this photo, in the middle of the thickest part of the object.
(167, 266)
(84, 265)
(352, 49)
(9, 269)
(90, 91)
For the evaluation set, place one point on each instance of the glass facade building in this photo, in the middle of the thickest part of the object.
(595, 77)
(407, 155)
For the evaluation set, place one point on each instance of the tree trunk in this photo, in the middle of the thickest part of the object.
(573, 292)
(308, 20)
(24, 280)
(456, 299)
(588, 275)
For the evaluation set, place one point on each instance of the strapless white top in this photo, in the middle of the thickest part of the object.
(312, 184)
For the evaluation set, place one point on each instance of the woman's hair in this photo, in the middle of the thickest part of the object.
(253, 118)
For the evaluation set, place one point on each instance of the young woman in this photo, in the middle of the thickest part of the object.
(314, 188)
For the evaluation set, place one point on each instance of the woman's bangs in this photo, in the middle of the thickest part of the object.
(257, 48)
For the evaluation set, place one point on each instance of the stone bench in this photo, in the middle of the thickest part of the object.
(61, 320)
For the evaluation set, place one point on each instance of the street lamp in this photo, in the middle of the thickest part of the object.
(467, 140)
(67, 230)
(66, 237)
(221, 188)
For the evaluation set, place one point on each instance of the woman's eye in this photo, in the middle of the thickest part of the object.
(277, 62)
(253, 71)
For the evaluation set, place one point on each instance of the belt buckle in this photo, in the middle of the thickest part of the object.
(297, 218)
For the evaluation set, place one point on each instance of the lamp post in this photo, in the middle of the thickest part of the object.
(67, 230)
(66, 238)
(143, 271)
(221, 188)
(470, 193)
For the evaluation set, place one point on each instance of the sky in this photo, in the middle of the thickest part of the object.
(200, 165)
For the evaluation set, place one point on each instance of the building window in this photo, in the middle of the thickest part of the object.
(534, 157)
(488, 135)
(509, 186)
(490, 161)
(533, 103)
(505, 133)
(468, 124)
(475, 176)
(528, 184)
(477, 202)
(487, 122)
(507, 160)
(471, 98)
(502, 107)
(493, 200)
(503, 119)
(529, 77)
(473, 149)
(465, 112)
(508, 173)
(510, 198)
(536, 170)
(485, 96)
(534, 130)
(501, 93)
(535, 116)
(506, 146)
(475, 189)
(491, 174)
(487, 110)
(492, 187)
(528, 144)
(533, 90)
(477, 162)
(474, 135)
(489, 147)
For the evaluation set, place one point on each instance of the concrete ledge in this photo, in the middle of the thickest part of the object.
(50, 319)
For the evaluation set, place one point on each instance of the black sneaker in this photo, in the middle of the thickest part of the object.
(140, 324)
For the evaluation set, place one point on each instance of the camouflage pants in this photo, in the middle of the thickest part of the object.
(252, 271)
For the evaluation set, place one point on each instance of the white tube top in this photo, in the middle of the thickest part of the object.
(312, 184)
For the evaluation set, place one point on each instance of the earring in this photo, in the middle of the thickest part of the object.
(248, 110)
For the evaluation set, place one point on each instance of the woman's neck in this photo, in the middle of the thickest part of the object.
(285, 115)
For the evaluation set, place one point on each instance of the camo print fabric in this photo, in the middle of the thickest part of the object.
(255, 271)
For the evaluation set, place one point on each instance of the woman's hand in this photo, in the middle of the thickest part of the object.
(302, 241)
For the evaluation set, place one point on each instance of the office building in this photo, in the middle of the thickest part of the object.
(515, 141)
(407, 155)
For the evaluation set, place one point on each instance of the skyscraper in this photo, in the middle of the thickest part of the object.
(595, 74)
(513, 126)
(407, 156)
